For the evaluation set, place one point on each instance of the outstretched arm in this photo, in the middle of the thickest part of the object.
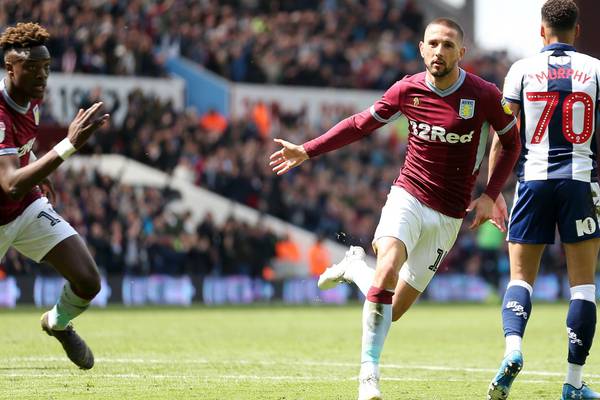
(345, 132)
(16, 182)
(291, 155)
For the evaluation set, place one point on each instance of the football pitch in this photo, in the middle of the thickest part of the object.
(281, 353)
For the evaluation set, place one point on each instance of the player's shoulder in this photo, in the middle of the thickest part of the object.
(5, 113)
(414, 79)
(527, 64)
(480, 85)
(587, 59)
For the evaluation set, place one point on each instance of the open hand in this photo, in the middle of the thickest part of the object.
(85, 123)
(483, 207)
(500, 213)
(291, 155)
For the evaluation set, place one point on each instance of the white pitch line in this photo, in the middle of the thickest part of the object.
(230, 377)
(11, 360)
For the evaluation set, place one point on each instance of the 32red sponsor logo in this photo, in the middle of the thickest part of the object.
(438, 133)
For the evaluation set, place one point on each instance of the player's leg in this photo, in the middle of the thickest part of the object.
(532, 226)
(437, 236)
(353, 268)
(581, 317)
(516, 305)
(74, 262)
(404, 297)
(579, 231)
(396, 219)
(516, 310)
(46, 236)
(396, 235)
(377, 313)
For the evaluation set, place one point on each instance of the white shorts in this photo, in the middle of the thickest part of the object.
(427, 234)
(36, 231)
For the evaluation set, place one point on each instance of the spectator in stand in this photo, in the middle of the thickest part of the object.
(287, 258)
(213, 122)
(318, 257)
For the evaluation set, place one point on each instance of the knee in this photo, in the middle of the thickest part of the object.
(386, 276)
(88, 286)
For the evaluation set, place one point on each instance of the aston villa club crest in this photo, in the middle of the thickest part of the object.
(416, 101)
(36, 114)
(466, 109)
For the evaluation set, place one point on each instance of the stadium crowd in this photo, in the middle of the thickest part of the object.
(311, 43)
(131, 230)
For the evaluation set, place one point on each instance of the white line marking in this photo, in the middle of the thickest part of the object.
(119, 360)
(245, 377)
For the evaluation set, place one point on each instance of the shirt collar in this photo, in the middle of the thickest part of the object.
(448, 91)
(18, 108)
(558, 46)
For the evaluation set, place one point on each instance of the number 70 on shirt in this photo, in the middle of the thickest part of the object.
(568, 104)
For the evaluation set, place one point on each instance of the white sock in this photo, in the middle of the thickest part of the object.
(513, 342)
(369, 368)
(69, 306)
(376, 322)
(575, 375)
(52, 316)
(362, 275)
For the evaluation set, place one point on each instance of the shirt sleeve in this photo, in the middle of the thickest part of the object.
(7, 144)
(504, 123)
(499, 114)
(357, 126)
(513, 84)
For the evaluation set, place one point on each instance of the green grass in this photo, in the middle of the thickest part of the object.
(274, 352)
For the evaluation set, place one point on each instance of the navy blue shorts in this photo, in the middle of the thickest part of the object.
(540, 207)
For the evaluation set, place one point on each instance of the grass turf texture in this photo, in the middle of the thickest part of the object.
(281, 353)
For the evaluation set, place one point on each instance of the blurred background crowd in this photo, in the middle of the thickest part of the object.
(312, 43)
(339, 43)
(131, 230)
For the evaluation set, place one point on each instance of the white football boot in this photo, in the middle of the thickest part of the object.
(368, 384)
(338, 273)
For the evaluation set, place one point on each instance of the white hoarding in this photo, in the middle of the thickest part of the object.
(294, 98)
(65, 93)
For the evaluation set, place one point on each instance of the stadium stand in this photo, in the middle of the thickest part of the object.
(318, 43)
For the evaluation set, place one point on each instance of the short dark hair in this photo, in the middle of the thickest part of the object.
(450, 23)
(23, 35)
(560, 15)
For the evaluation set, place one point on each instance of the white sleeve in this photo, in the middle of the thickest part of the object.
(513, 84)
